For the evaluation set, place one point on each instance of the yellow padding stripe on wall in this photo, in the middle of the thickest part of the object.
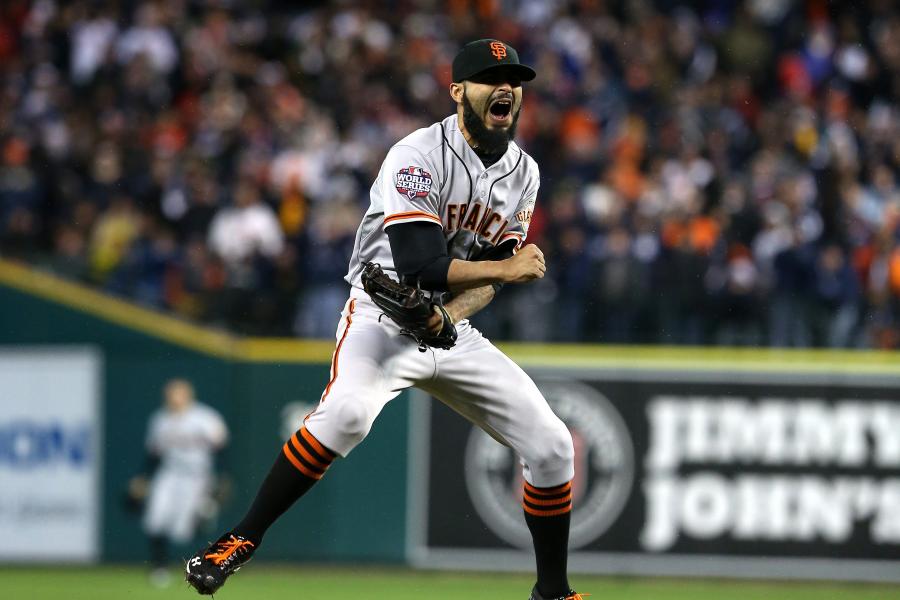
(153, 323)
(287, 350)
(116, 311)
(695, 358)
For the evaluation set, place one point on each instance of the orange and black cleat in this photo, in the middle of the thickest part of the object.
(207, 570)
(572, 595)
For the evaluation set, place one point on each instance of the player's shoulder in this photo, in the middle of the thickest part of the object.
(528, 163)
(158, 416)
(425, 140)
(527, 167)
(205, 411)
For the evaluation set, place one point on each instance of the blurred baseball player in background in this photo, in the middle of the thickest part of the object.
(449, 213)
(182, 440)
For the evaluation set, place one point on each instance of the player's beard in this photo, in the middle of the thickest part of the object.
(488, 141)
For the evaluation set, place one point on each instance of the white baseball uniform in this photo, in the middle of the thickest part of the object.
(434, 176)
(185, 442)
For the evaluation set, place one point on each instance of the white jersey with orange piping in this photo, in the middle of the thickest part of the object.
(433, 176)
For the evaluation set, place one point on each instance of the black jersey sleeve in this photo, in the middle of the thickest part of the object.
(420, 254)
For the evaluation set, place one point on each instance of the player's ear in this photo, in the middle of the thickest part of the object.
(456, 92)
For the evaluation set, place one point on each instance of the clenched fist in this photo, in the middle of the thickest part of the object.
(527, 264)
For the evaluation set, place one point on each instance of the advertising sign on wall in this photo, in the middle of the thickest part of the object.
(49, 454)
(760, 475)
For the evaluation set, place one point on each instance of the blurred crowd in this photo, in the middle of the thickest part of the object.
(712, 173)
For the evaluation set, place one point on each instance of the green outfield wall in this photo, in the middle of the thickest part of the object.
(369, 509)
(356, 513)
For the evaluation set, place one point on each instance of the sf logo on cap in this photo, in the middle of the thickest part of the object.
(498, 49)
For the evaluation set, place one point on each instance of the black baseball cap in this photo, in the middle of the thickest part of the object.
(483, 55)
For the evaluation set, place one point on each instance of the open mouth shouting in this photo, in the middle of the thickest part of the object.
(500, 111)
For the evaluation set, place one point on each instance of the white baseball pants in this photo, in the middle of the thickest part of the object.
(175, 503)
(373, 363)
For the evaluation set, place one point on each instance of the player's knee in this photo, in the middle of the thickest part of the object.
(353, 421)
(555, 455)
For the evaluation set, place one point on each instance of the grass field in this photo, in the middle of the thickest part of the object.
(307, 583)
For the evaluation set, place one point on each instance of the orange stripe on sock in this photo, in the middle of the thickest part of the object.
(306, 455)
(337, 351)
(299, 465)
(548, 491)
(318, 447)
(547, 513)
(554, 502)
(560, 497)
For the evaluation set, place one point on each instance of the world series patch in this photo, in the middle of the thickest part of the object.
(413, 182)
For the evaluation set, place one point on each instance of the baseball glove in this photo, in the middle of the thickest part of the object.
(408, 307)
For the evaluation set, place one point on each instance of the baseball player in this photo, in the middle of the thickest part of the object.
(183, 437)
(449, 213)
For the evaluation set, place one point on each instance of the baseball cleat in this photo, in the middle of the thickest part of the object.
(207, 570)
(572, 595)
